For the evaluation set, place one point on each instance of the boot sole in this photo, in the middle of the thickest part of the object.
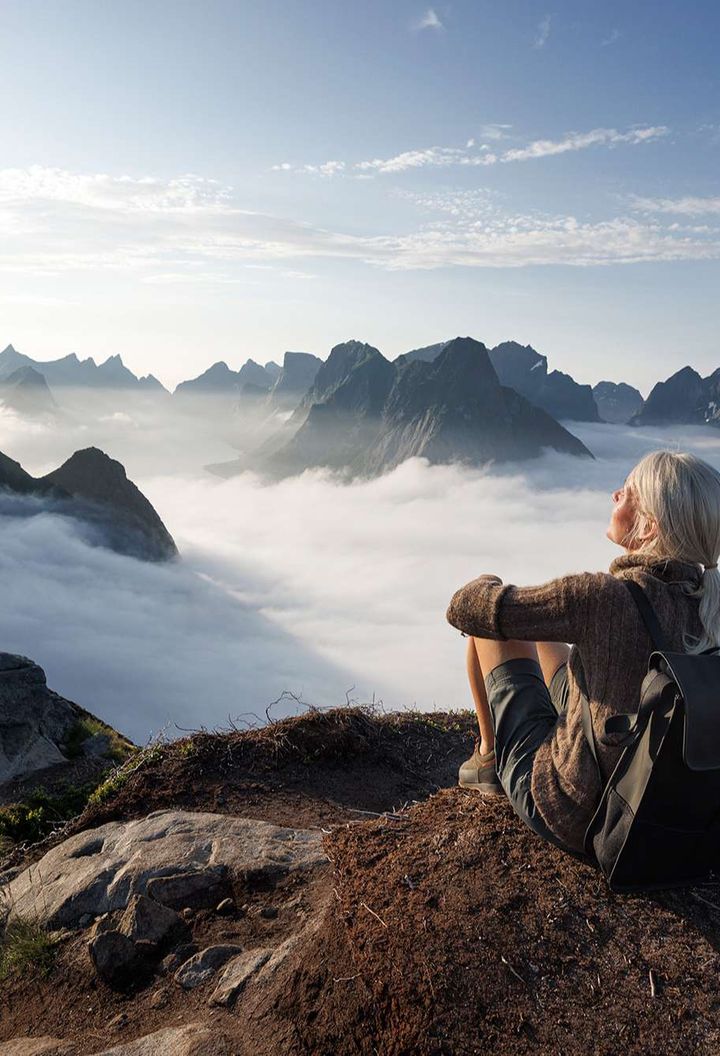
(483, 789)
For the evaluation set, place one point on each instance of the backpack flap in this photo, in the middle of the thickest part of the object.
(698, 680)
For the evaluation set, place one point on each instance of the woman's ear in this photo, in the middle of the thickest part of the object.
(648, 531)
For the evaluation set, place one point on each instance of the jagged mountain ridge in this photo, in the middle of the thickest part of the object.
(521, 368)
(367, 415)
(220, 380)
(81, 373)
(455, 409)
(94, 489)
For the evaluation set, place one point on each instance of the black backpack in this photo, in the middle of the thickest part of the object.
(658, 822)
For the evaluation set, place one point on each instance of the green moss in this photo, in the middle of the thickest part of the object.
(26, 946)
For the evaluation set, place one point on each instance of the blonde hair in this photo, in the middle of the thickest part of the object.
(680, 494)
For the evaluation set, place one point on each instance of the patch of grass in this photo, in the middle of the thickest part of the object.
(87, 727)
(120, 776)
(25, 946)
(41, 813)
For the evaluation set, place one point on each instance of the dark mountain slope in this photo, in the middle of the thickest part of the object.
(684, 399)
(525, 370)
(455, 410)
(94, 490)
(342, 413)
(92, 476)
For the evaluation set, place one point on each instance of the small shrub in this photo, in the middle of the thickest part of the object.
(25, 946)
(41, 813)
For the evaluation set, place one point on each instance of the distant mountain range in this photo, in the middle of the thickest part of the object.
(450, 400)
(277, 387)
(94, 489)
(80, 373)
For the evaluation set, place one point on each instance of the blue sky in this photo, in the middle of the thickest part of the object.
(183, 182)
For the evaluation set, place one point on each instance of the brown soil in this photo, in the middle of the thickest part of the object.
(447, 929)
(475, 937)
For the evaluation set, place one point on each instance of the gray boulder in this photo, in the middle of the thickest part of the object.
(33, 719)
(100, 871)
(35, 722)
(192, 1039)
(114, 955)
(203, 965)
(202, 889)
(237, 974)
(42, 1046)
(147, 921)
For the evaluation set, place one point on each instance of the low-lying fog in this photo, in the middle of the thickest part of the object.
(308, 586)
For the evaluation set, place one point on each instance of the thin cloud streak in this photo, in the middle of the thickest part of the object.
(442, 157)
(687, 206)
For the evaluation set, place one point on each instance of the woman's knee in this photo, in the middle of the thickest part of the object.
(490, 652)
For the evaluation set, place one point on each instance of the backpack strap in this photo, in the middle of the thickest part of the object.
(647, 614)
(657, 637)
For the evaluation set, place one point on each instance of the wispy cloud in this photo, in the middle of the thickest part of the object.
(435, 157)
(608, 137)
(543, 32)
(475, 154)
(687, 206)
(611, 38)
(145, 194)
(218, 241)
(429, 20)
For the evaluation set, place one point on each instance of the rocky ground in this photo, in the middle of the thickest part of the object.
(321, 887)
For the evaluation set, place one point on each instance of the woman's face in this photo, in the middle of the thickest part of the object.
(623, 515)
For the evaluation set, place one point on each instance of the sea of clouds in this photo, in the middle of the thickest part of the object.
(312, 587)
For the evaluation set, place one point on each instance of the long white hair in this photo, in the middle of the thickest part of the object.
(680, 494)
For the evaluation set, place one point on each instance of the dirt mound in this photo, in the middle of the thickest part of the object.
(313, 769)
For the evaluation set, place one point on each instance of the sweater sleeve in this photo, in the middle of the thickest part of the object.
(557, 611)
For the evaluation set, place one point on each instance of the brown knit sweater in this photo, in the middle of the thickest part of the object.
(609, 656)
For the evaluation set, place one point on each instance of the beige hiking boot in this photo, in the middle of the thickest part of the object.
(479, 773)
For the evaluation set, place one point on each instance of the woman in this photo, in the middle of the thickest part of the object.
(528, 687)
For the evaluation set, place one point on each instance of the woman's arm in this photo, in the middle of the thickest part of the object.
(557, 611)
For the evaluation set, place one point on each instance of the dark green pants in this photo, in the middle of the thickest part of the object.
(524, 711)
